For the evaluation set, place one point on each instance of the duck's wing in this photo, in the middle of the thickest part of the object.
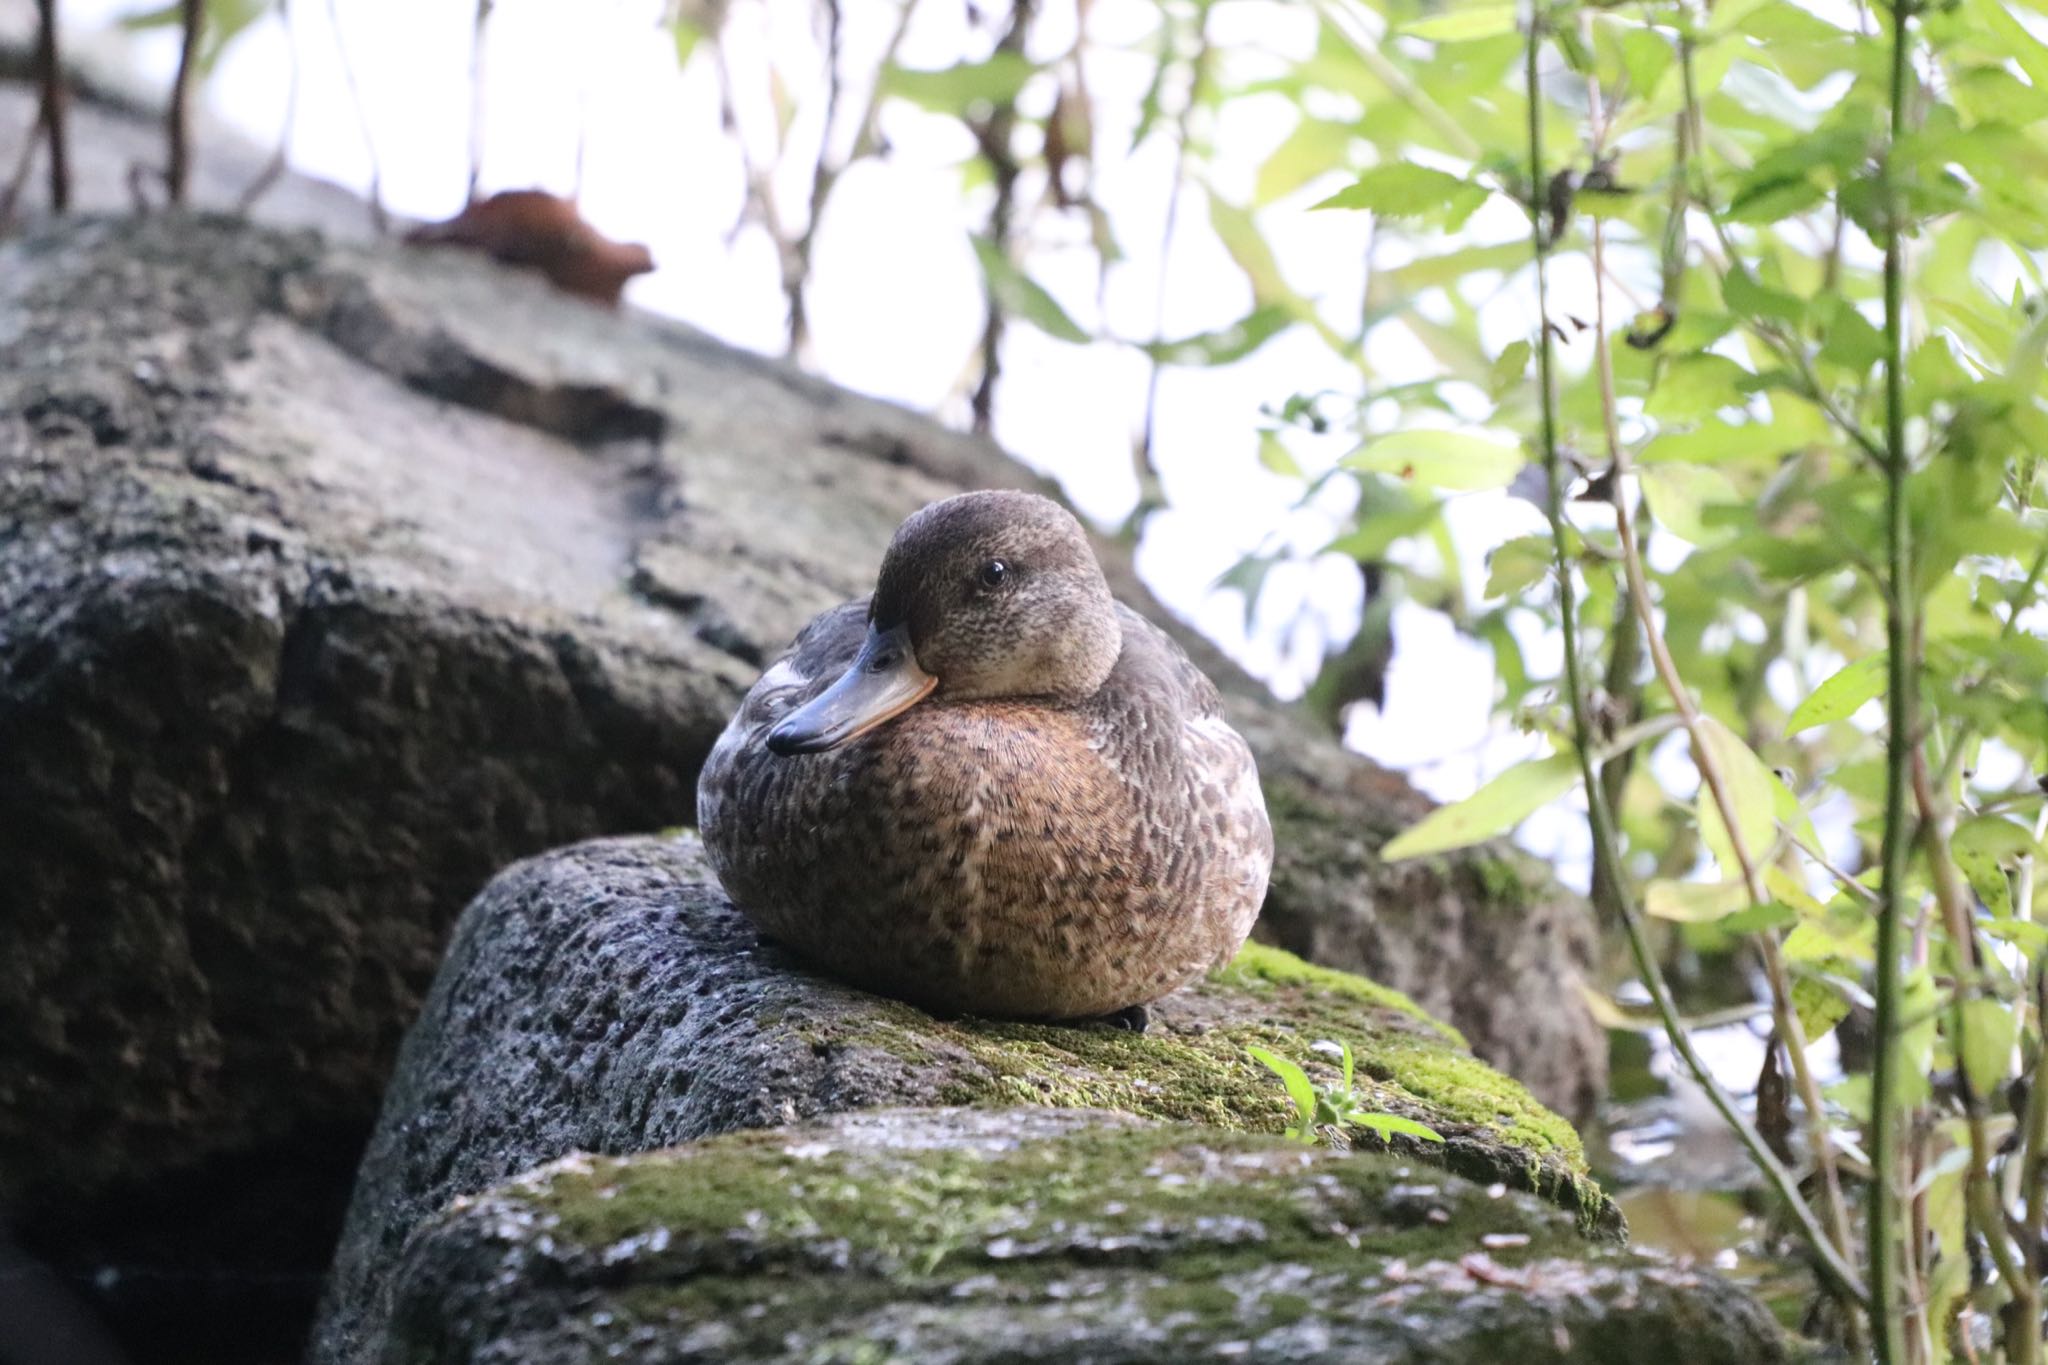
(1160, 722)
(1155, 691)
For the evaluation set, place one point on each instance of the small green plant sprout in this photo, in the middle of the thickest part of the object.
(1317, 1107)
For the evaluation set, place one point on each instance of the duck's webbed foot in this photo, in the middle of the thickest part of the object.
(1132, 1019)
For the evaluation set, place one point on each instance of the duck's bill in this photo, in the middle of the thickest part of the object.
(882, 683)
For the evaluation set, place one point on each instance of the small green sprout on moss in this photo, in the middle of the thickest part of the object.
(1333, 1106)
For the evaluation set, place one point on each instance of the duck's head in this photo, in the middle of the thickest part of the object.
(982, 596)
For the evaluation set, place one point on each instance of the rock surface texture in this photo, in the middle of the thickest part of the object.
(1051, 1235)
(1085, 1193)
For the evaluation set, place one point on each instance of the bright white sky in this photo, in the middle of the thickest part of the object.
(895, 301)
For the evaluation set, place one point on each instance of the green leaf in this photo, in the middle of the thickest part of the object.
(1386, 513)
(1748, 298)
(1983, 847)
(1796, 425)
(1248, 576)
(1850, 340)
(1819, 1006)
(687, 34)
(1839, 697)
(1239, 233)
(1494, 809)
(1021, 296)
(957, 89)
(1989, 1029)
(1299, 1088)
(1680, 494)
(1646, 56)
(1692, 387)
(1403, 189)
(1388, 1124)
(1772, 200)
(1757, 918)
(1225, 345)
(1750, 789)
(1315, 146)
(1464, 24)
(1275, 458)
(1693, 902)
(1454, 460)
(1509, 368)
(1515, 564)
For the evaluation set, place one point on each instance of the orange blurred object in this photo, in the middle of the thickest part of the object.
(543, 232)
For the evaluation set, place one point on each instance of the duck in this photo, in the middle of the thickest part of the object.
(989, 788)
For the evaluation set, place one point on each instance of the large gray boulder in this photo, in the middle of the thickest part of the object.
(1048, 1235)
(333, 578)
(609, 998)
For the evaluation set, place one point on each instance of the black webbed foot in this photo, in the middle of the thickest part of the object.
(1131, 1019)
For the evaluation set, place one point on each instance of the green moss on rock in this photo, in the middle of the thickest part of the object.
(1040, 1234)
(1192, 1067)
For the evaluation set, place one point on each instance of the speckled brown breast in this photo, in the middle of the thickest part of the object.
(1005, 858)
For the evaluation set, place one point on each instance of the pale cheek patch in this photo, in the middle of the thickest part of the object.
(778, 688)
(783, 674)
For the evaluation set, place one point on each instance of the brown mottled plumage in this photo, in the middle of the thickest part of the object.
(991, 788)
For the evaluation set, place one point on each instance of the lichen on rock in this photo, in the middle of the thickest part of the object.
(1039, 1235)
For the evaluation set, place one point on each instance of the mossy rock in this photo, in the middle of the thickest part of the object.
(608, 998)
(1043, 1235)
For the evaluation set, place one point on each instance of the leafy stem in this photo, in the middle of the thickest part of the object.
(1784, 1017)
(1606, 843)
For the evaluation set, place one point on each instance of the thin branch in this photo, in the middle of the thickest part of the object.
(1151, 494)
(1980, 1199)
(823, 170)
(378, 218)
(1606, 844)
(24, 167)
(994, 135)
(280, 155)
(1903, 734)
(50, 67)
(178, 118)
(477, 101)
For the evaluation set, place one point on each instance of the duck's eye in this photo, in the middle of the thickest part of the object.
(994, 573)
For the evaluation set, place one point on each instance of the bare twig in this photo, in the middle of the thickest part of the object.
(1980, 1197)
(24, 167)
(476, 97)
(1151, 495)
(280, 155)
(824, 171)
(178, 118)
(378, 218)
(994, 134)
(50, 67)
